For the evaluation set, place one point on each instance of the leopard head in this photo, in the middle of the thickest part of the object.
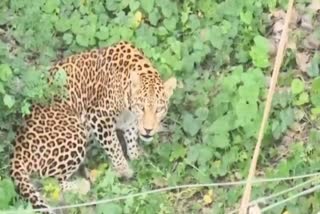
(150, 99)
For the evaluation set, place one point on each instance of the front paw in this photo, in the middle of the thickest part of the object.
(124, 170)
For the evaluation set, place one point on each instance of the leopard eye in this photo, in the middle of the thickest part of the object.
(141, 107)
(160, 109)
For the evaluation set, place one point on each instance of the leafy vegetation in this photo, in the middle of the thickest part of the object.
(221, 51)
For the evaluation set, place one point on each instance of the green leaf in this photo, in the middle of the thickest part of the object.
(202, 113)
(315, 92)
(8, 100)
(178, 151)
(68, 38)
(246, 17)
(154, 17)
(222, 125)
(82, 40)
(190, 124)
(170, 23)
(2, 91)
(216, 37)
(297, 86)
(147, 5)
(109, 208)
(25, 109)
(315, 111)
(7, 192)
(259, 52)
(103, 33)
(220, 140)
(134, 5)
(51, 5)
(5, 72)
(63, 24)
(313, 69)
(193, 153)
(205, 154)
(303, 99)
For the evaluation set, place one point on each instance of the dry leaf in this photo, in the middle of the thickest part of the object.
(83, 186)
(306, 22)
(160, 182)
(303, 60)
(255, 209)
(208, 198)
(94, 174)
(291, 43)
(137, 19)
(312, 41)
(315, 5)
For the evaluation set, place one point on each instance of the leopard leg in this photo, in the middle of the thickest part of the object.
(51, 147)
(26, 189)
(103, 125)
(127, 122)
(131, 135)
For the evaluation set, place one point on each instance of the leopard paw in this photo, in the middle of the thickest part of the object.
(124, 171)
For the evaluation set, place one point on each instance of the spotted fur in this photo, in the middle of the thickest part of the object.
(109, 88)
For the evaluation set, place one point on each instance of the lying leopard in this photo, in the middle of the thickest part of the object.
(103, 86)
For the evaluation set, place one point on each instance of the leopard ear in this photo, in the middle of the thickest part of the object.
(135, 81)
(169, 86)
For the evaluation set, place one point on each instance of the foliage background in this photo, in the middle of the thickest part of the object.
(221, 51)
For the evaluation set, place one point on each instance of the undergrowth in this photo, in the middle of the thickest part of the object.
(222, 54)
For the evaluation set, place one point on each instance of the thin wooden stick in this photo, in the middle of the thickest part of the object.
(278, 61)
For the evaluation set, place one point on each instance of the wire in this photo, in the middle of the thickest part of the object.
(221, 184)
(305, 192)
(266, 198)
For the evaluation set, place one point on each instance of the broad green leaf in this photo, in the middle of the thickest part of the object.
(297, 86)
(109, 208)
(259, 52)
(154, 17)
(302, 99)
(5, 72)
(246, 17)
(147, 5)
(170, 23)
(103, 33)
(82, 40)
(51, 5)
(134, 5)
(178, 151)
(68, 38)
(2, 91)
(63, 24)
(222, 124)
(7, 192)
(315, 111)
(8, 100)
(25, 109)
(193, 153)
(205, 154)
(313, 69)
(216, 37)
(202, 113)
(220, 140)
(315, 92)
(190, 124)
(194, 22)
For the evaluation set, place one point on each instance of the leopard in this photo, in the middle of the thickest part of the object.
(108, 88)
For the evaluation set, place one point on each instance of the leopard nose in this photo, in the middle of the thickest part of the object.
(148, 131)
